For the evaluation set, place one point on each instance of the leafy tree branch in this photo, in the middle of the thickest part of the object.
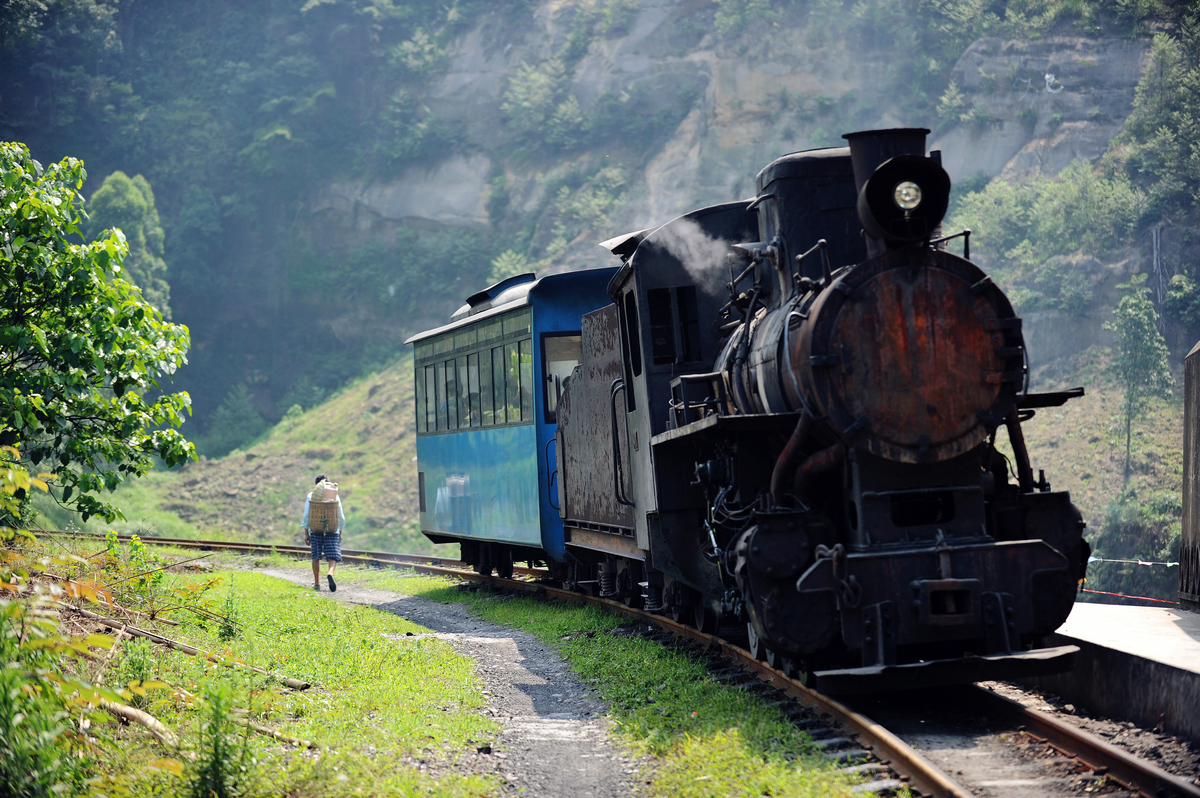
(80, 386)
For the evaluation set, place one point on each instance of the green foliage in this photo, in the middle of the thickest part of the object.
(533, 95)
(235, 423)
(1060, 288)
(46, 745)
(128, 205)
(508, 264)
(137, 664)
(1139, 527)
(964, 187)
(1182, 302)
(224, 761)
(85, 352)
(420, 55)
(951, 103)
(618, 17)
(585, 209)
(304, 393)
(734, 15)
(37, 757)
(1160, 146)
(16, 484)
(1022, 225)
(408, 131)
(228, 624)
(1139, 363)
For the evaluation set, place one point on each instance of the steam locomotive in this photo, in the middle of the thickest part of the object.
(781, 412)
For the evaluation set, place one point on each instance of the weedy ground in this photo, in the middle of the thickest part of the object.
(380, 701)
(701, 738)
(382, 704)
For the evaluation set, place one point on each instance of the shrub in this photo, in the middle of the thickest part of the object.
(223, 762)
(1026, 223)
(235, 423)
(1139, 527)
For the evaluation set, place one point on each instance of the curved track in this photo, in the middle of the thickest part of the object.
(874, 740)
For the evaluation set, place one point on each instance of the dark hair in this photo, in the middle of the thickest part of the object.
(320, 478)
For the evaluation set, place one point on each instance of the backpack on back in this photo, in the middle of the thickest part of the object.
(323, 507)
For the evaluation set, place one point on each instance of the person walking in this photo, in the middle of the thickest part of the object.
(323, 543)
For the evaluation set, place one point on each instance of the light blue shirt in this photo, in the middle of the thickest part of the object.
(341, 513)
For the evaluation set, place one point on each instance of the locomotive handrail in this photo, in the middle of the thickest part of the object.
(618, 385)
(551, 474)
(966, 237)
(819, 246)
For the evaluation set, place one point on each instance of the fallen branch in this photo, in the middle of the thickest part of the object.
(278, 735)
(153, 724)
(295, 684)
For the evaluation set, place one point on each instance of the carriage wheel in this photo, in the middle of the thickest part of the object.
(504, 562)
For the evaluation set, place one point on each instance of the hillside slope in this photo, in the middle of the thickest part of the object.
(362, 438)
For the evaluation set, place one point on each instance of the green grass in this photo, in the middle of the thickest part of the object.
(704, 738)
(381, 699)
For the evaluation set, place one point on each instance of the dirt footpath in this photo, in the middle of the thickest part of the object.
(554, 741)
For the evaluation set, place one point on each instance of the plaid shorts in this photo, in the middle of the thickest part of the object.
(326, 544)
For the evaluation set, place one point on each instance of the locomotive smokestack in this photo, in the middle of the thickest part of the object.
(902, 194)
(869, 148)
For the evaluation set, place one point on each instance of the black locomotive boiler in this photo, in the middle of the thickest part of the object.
(788, 417)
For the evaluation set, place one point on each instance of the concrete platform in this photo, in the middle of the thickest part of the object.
(1136, 663)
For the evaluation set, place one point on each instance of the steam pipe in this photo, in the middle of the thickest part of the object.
(819, 463)
(789, 456)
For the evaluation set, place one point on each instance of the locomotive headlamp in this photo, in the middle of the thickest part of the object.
(907, 195)
(904, 199)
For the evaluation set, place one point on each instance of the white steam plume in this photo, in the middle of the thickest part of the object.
(702, 256)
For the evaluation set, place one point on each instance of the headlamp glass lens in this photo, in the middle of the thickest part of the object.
(907, 195)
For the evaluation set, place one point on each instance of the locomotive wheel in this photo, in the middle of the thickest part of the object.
(790, 666)
(704, 619)
(770, 657)
(754, 643)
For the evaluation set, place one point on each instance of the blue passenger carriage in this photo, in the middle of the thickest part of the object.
(487, 385)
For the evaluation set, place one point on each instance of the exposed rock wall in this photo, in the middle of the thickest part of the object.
(1028, 107)
(1041, 104)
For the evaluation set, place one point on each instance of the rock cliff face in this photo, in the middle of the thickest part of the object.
(1025, 107)
(1035, 106)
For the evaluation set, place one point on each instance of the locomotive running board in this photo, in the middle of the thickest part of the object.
(971, 668)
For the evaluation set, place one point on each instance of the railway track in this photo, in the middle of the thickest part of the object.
(862, 740)
(376, 559)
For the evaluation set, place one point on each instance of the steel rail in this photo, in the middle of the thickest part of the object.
(357, 556)
(1134, 773)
